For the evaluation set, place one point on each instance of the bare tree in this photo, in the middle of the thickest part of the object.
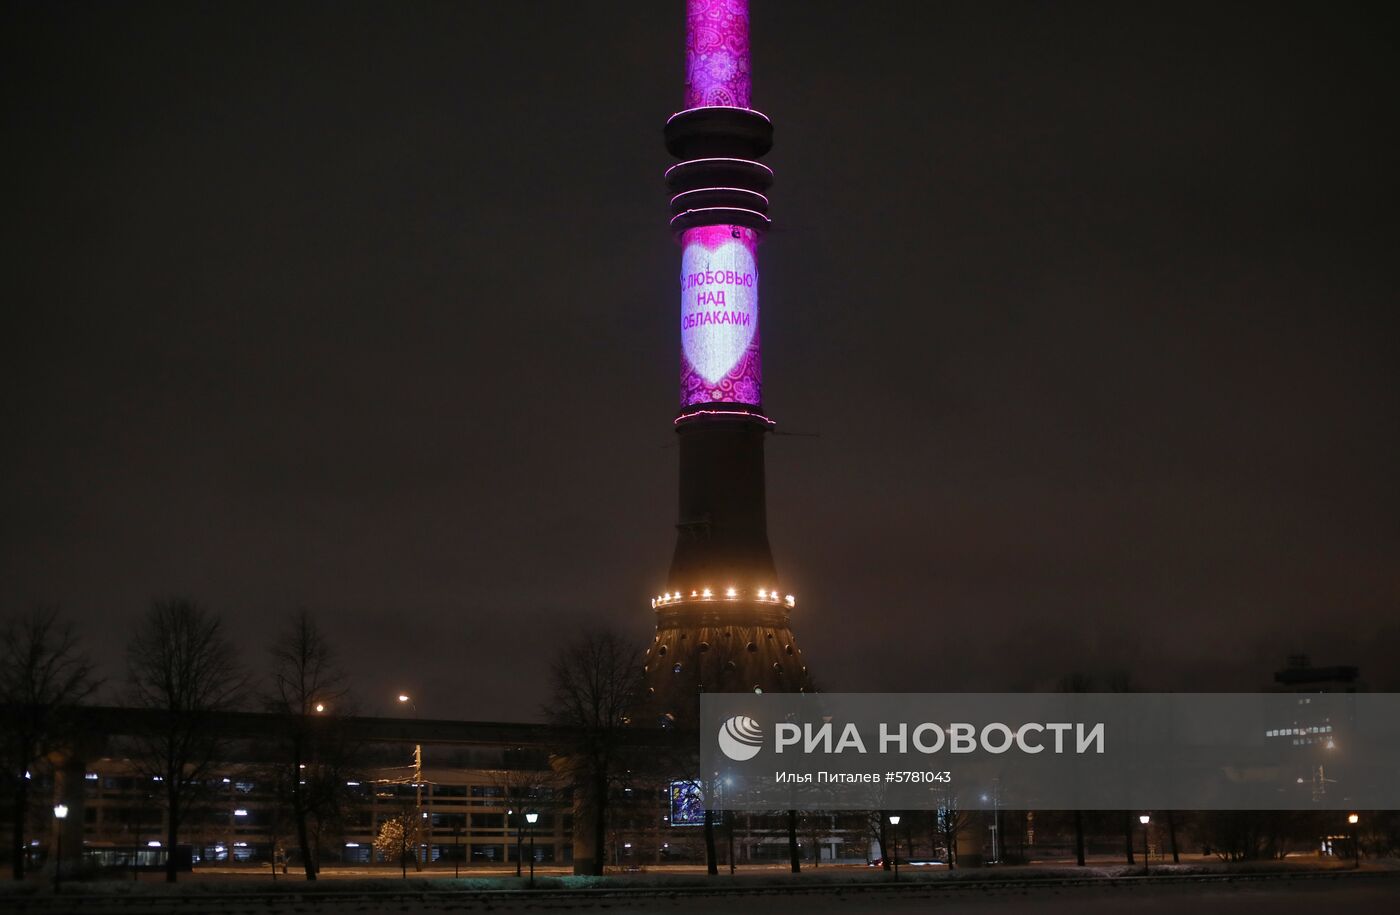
(182, 670)
(43, 675)
(794, 852)
(952, 821)
(312, 755)
(596, 683)
(1116, 681)
(816, 826)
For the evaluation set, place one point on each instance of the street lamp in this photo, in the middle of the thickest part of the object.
(894, 821)
(1144, 820)
(456, 851)
(1353, 819)
(60, 812)
(518, 839)
(530, 818)
(406, 700)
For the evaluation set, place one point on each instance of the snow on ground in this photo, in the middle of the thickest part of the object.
(1282, 895)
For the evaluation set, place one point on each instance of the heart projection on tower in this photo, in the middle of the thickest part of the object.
(719, 316)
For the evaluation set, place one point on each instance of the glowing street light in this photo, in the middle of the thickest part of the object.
(60, 812)
(1353, 819)
(406, 700)
(320, 707)
(1144, 819)
(531, 817)
(519, 838)
(894, 821)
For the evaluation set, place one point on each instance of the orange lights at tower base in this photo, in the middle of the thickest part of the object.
(762, 595)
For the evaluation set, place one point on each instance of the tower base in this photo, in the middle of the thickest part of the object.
(719, 644)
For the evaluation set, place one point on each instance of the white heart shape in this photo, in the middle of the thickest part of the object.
(719, 304)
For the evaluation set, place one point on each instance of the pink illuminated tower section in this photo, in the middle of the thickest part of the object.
(719, 316)
(722, 612)
(717, 53)
(719, 211)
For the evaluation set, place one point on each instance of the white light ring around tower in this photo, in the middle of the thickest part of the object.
(765, 219)
(753, 162)
(730, 107)
(702, 190)
(710, 412)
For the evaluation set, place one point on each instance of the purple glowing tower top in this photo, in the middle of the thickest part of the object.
(717, 53)
(719, 213)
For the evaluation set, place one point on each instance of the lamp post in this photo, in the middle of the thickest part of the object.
(1353, 819)
(456, 851)
(60, 812)
(530, 818)
(1144, 820)
(894, 821)
(518, 838)
(405, 700)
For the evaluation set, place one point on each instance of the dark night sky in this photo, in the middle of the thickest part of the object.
(371, 308)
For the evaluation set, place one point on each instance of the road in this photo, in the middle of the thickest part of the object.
(1287, 895)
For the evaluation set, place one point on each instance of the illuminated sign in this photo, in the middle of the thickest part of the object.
(717, 53)
(688, 805)
(719, 316)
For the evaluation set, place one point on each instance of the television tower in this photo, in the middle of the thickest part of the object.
(723, 620)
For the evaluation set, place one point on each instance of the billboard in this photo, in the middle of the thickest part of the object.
(688, 804)
(719, 316)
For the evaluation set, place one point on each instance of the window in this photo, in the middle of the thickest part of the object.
(488, 821)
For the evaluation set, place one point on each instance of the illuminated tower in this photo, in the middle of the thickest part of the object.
(722, 623)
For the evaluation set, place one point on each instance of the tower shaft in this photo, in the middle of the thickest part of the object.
(723, 622)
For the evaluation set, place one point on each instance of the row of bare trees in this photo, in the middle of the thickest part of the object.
(184, 676)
